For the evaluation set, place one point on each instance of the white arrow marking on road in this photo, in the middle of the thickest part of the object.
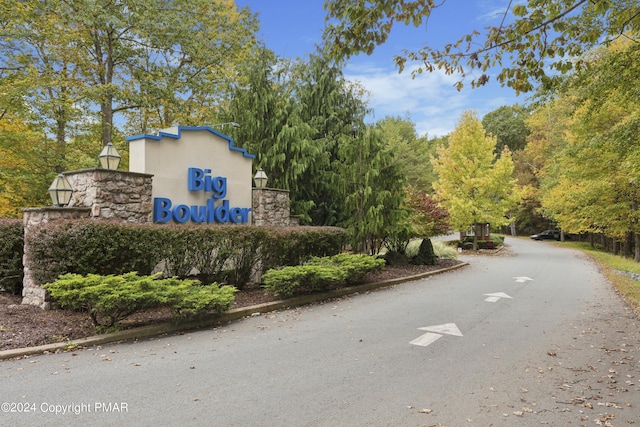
(435, 332)
(496, 296)
(446, 328)
(523, 279)
(425, 339)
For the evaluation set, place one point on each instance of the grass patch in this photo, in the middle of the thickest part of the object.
(440, 248)
(609, 265)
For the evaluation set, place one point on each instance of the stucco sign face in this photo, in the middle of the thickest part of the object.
(216, 187)
(199, 176)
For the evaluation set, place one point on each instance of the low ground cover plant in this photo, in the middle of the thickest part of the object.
(110, 299)
(320, 274)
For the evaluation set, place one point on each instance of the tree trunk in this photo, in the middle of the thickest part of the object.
(636, 244)
(61, 145)
(106, 109)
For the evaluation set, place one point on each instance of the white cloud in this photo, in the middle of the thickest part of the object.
(431, 99)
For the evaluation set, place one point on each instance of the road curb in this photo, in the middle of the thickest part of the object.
(228, 316)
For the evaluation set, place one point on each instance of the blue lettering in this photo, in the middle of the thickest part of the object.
(181, 213)
(198, 213)
(245, 214)
(222, 212)
(201, 180)
(210, 211)
(161, 209)
(235, 214)
(219, 187)
(239, 215)
(196, 182)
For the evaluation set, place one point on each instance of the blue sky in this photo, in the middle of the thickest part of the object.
(292, 28)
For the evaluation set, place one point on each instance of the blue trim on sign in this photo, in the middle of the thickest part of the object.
(160, 135)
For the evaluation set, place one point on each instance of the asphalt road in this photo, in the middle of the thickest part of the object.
(533, 337)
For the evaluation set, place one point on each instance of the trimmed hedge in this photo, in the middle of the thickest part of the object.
(495, 242)
(11, 252)
(320, 274)
(215, 253)
(110, 299)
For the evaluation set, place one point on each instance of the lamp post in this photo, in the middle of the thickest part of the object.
(109, 157)
(60, 191)
(260, 179)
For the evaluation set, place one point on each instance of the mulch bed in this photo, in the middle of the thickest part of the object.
(26, 326)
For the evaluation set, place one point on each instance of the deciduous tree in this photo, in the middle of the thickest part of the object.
(509, 125)
(473, 185)
(172, 61)
(593, 187)
(534, 42)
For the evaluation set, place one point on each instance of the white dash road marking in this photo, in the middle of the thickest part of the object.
(425, 339)
(496, 296)
(523, 279)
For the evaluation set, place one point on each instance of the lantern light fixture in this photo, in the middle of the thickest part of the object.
(60, 191)
(109, 157)
(260, 179)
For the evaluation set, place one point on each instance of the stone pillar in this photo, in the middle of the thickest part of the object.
(271, 207)
(32, 292)
(119, 195)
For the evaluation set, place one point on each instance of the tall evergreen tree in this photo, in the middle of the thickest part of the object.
(372, 187)
(272, 128)
(335, 111)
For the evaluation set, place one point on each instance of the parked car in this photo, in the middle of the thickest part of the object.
(547, 235)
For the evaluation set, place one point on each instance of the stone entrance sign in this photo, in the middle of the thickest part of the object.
(199, 175)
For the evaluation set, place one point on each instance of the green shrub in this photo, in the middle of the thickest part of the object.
(11, 251)
(188, 298)
(356, 266)
(110, 299)
(395, 258)
(94, 247)
(444, 250)
(498, 240)
(320, 274)
(290, 246)
(303, 279)
(215, 253)
(425, 255)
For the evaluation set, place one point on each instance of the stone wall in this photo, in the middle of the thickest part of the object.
(271, 207)
(124, 196)
(97, 194)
